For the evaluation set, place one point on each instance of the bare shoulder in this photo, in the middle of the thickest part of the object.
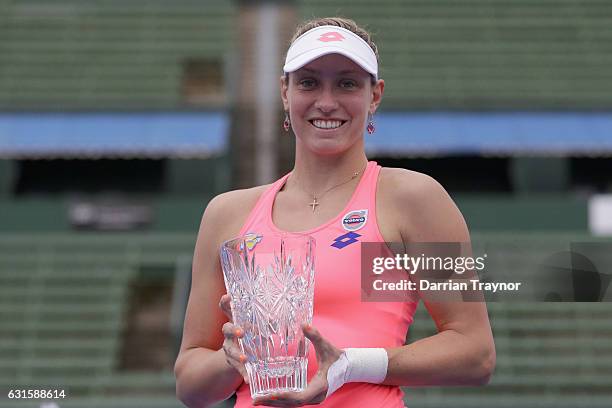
(421, 206)
(403, 190)
(408, 184)
(227, 212)
(237, 200)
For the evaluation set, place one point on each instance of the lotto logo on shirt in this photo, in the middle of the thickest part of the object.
(346, 239)
(355, 220)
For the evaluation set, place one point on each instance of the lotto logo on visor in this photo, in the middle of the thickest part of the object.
(331, 36)
(355, 220)
(326, 40)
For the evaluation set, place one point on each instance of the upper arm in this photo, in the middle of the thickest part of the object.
(222, 220)
(430, 215)
(203, 316)
(433, 215)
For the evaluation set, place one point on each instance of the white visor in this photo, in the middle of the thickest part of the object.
(325, 40)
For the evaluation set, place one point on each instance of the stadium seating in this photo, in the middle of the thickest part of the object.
(106, 54)
(548, 355)
(475, 54)
(65, 297)
(63, 308)
(63, 311)
(481, 54)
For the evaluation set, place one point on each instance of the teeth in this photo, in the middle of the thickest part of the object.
(327, 124)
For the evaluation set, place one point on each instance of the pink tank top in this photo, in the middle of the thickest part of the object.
(339, 313)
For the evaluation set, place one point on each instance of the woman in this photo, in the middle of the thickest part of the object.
(330, 92)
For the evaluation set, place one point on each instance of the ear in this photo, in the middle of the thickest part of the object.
(377, 92)
(284, 86)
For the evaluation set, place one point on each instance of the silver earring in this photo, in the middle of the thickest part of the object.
(371, 128)
(286, 122)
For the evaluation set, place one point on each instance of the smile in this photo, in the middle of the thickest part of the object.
(327, 124)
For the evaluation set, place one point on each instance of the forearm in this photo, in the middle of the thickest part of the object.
(204, 378)
(447, 358)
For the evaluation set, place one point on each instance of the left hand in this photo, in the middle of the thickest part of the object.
(316, 390)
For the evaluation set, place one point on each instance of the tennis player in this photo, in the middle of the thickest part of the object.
(330, 91)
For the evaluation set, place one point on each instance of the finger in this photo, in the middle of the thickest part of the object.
(278, 400)
(322, 346)
(235, 358)
(234, 355)
(268, 401)
(233, 352)
(312, 333)
(225, 305)
(231, 331)
(326, 352)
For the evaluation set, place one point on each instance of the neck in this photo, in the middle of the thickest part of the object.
(316, 173)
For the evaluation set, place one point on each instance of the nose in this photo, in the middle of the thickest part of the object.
(326, 100)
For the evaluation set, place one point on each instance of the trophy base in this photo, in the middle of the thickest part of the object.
(281, 374)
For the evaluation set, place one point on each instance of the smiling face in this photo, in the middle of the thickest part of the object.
(328, 101)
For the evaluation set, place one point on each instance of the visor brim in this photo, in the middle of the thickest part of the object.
(311, 55)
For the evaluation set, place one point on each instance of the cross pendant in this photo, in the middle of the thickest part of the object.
(314, 203)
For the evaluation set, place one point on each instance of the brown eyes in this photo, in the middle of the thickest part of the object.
(348, 84)
(308, 83)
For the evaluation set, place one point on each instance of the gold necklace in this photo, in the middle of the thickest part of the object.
(314, 202)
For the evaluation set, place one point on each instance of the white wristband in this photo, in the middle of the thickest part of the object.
(358, 365)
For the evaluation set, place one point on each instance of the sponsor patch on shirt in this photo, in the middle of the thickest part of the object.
(354, 220)
(252, 239)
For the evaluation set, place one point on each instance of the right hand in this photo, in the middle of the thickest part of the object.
(233, 355)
